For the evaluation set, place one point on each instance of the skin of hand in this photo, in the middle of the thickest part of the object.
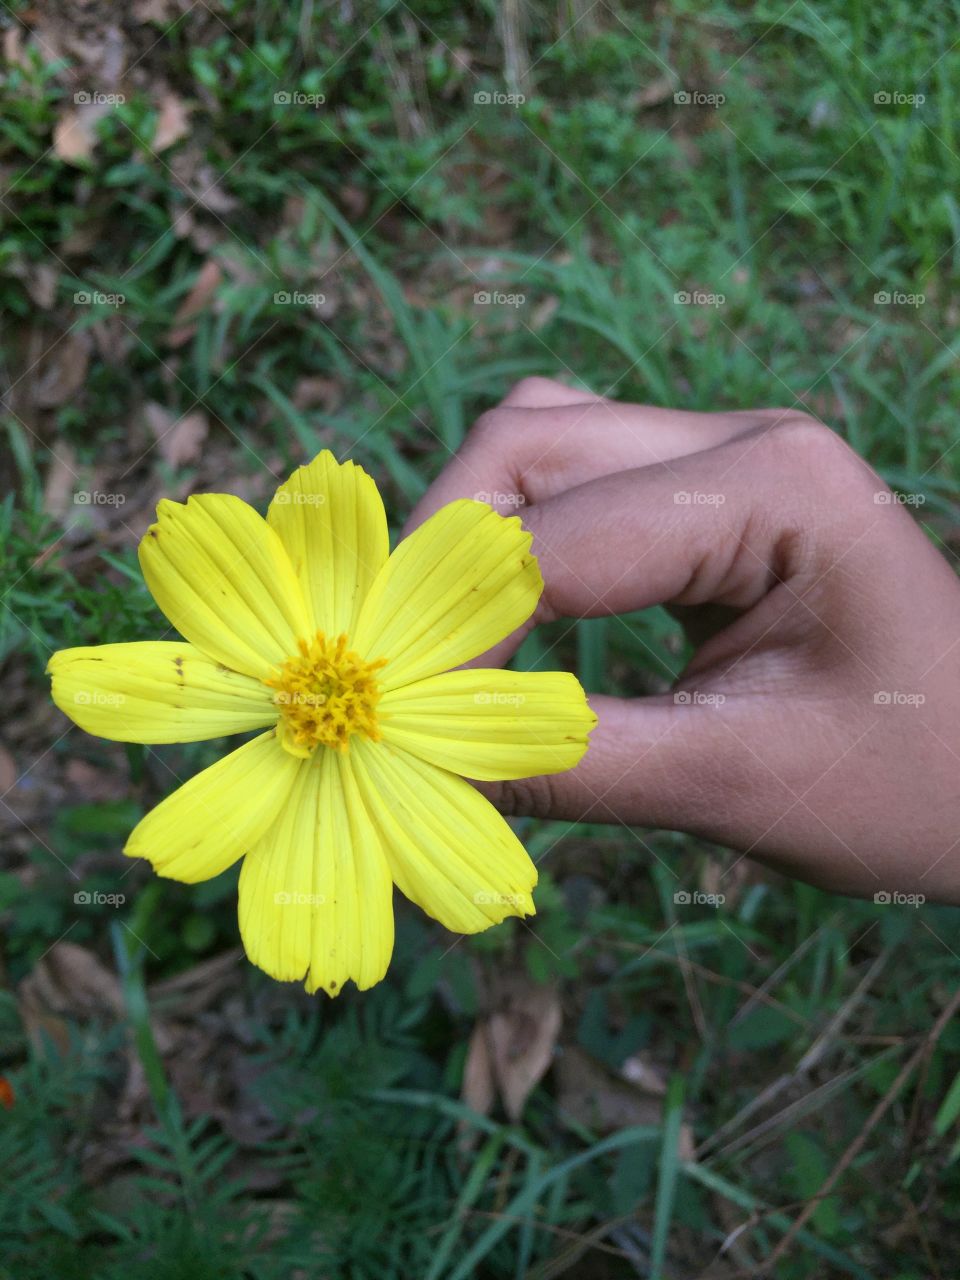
(817, 727)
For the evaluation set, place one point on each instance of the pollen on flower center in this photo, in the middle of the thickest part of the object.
(324, 694)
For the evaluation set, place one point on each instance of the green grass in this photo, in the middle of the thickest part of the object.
(599, 198)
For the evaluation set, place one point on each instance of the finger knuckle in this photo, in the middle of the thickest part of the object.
(489, 428)
(803, 442)
(526, 797)
(531, 387)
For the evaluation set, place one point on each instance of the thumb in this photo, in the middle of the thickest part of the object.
(646, 766)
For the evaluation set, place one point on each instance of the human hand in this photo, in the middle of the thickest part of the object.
(817, 727)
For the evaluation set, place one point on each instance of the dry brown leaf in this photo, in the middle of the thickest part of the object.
(200, 181)
(200, 987)
(8, 771)
(160, 11)
(61, 482)
(197, 300)
(478, 1091)
(209, 194)
(39, 279)
(84, 237)
(640, 1070)
(594, 1096)
(730, 880)
(75, 133)
(69, 981)
(522, 1035)
(62, 370)
(315, 390)
(13, 52)
(543, 312)
(173, 122)
(659, 90)
(355, 200)
(179, 439)
(42, 284)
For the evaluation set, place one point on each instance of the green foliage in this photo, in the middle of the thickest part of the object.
(600, 199)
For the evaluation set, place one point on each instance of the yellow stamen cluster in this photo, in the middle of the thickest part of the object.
(324, 694)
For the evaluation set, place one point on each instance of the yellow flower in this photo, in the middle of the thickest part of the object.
(304, 625)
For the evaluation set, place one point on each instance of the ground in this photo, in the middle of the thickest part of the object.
(234, 234)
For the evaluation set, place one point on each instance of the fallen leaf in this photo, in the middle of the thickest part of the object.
(544, 312)
(198, 988)
(200, 181)
(85, 236)
(68, 980)
(61, 481)
(197, 300)
(8, 771)
(730, 880)
(522, 1035)
(173, 122)
(13, 46)
(159, 11)
(62, 370)
(594, 1097)
(355, 200)
(647, 1075)
(75, 133)
(659, 90)
(179, 439)
(71, 979)
(42, 284)
(478, 1091)
(315, 390)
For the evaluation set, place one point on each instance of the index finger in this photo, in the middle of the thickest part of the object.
(545, 438)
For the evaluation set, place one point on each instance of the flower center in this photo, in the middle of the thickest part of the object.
(324, 694)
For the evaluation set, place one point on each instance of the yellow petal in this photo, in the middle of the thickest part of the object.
(316, 897)
(459, 584)
(448, 848)
(222, 577)
(156, 691)
(209, 822)
(491, 724)
(330, 518)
